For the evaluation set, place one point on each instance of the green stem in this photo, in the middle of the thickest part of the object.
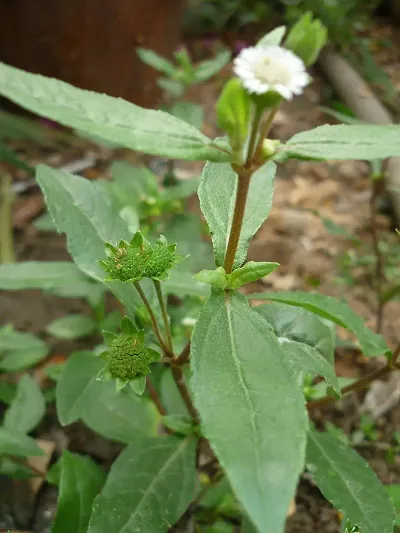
(153, 319)
(7, 250)
(264, 132)
(164, 312)
(253, 135)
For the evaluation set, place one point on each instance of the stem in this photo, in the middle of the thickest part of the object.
(7, 250)
(253, 136)
(184, 355)
(264, 131)
(155, 397)
(244, 177)
(356, 386)
(164, 312)
(184, 392)
(379, 264)
(153, 319)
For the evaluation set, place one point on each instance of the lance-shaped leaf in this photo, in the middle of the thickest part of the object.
(27, 408)
(347, 481)
(150, 486)
(217, 193)
(342, 141)
(111, 119)
(250, 409)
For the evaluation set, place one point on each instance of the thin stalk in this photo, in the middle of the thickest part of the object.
(253, 135)
(164, 312)
(184, 355)
(7, 250)
(155, 397)
(177, 373)
(152, 318)
(244, 177)
(356, 386)
(379, 263)
(264, 131)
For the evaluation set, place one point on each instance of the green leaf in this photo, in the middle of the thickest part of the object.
(251, 412)
(210, 67)
(170, 396)
(7, 392)
(306, 342)
(347, 481)
(39, 275)
(394, 493)
(89, 219)
(71, 327)
(216, 278)
(138, 385)
(340, 313)
(81, 481)
(251, 271)
(217, 192)
(156, 61)
(274, 37)
(16, 443)
(189, 112)
(174, 88)
(150, 486)
(27, 408)
(19, 351)
(112, 119)
(307, 38)
(341, 141)
(117, 416)
(233, 112)
(247, 526)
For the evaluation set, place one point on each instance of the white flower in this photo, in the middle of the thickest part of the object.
(271, 68)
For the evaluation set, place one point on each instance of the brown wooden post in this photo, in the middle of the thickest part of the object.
(91, 43)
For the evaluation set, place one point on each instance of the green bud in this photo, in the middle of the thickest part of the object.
(269, 147)
(128, 357)
(307, 38)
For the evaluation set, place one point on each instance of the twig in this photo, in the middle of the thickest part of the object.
(379, 263)
(164, 312)
(152, 318)
(356, 386)
(177, 373)
(155, 397)
(184, 355)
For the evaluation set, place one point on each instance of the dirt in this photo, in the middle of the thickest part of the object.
(309, 258)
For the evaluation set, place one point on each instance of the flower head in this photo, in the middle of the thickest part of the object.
(127, 358)
(271, 68)
(139, 259)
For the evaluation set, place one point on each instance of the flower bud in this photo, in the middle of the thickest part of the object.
(307, 38)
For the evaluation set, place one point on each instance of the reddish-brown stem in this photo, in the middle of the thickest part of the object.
(177, 373)
(155, 397)
(243, 178)
(164, 312)
(153, 319)
(184, 355)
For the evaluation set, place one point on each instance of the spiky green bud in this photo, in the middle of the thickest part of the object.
(128, 357)
(139, 259)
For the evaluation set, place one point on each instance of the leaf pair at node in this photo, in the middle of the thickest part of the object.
(251, 271)
(138, 259)
(127, 359)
